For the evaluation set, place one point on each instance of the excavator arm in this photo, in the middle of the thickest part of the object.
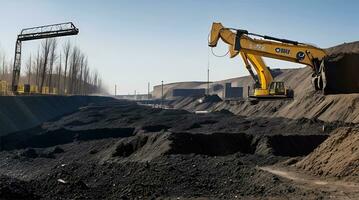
(271, 47)
(264, 78)
(264, 75)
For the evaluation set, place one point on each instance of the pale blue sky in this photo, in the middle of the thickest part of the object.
(135, 42)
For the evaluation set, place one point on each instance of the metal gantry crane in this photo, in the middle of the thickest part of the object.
(40, 32)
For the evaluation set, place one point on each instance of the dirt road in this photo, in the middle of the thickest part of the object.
(337, 189)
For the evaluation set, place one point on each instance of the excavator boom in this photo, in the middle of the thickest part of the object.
(331, 75)
(264, 78)
(281, 49)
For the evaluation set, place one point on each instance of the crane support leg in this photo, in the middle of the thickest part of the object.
(17, 65)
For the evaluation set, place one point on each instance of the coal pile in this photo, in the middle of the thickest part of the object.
(11, 188)
(134, 151)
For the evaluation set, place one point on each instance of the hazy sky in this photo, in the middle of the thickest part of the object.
(135, 42)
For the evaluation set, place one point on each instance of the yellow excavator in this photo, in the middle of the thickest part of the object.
(265, 86)
(252, 50)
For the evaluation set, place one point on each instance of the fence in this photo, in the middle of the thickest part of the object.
(25, 89)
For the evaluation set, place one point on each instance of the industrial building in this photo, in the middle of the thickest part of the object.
(232, 92)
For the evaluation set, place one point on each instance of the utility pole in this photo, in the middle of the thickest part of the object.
(162, 94)
(115, 89)
(208, 81)
(208, 72)
(148, 91)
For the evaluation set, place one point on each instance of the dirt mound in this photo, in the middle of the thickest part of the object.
(341, 66)
(11, 188)
(341, 73)
(306, 104)
(177, 177)
(139, 152)
(125, 119)
(142, 147)
(288, 145)
(148, 146)
(215, 144)
(210, 99)
(351, 47)
(24, 112)
(338, 156)
(50, 138)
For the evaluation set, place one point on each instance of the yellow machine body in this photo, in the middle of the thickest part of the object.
(252, 50)
(34, 89)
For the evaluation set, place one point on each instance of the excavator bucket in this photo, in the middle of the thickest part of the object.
(341, 73)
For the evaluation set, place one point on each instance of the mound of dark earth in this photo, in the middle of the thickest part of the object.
(133, 151)
(340, 73)
(24, 112)
(337, 157)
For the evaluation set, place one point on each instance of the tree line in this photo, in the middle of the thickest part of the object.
(63, 67)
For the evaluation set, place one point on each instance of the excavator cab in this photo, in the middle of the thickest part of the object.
(277, 88)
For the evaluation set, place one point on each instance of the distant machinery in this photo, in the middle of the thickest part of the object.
(40, 32)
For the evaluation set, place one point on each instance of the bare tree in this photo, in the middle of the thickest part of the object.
(95, 79)
(5, 71)
(74, 68)
(66, 50)
(53, 46)
(28, 70)
(3, 68)
(37, 66)
(80, 75)
(59, 75)
(86, 78)
(83, 69)
(46, 45)
(9, 70)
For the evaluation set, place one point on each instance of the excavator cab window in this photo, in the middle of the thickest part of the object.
(277, 88)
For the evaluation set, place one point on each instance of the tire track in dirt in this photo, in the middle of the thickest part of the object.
(337, 189)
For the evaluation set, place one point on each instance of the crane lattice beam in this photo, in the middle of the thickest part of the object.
(48, 31)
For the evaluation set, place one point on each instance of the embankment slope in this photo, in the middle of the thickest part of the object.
(338, 156)
(22, 112)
